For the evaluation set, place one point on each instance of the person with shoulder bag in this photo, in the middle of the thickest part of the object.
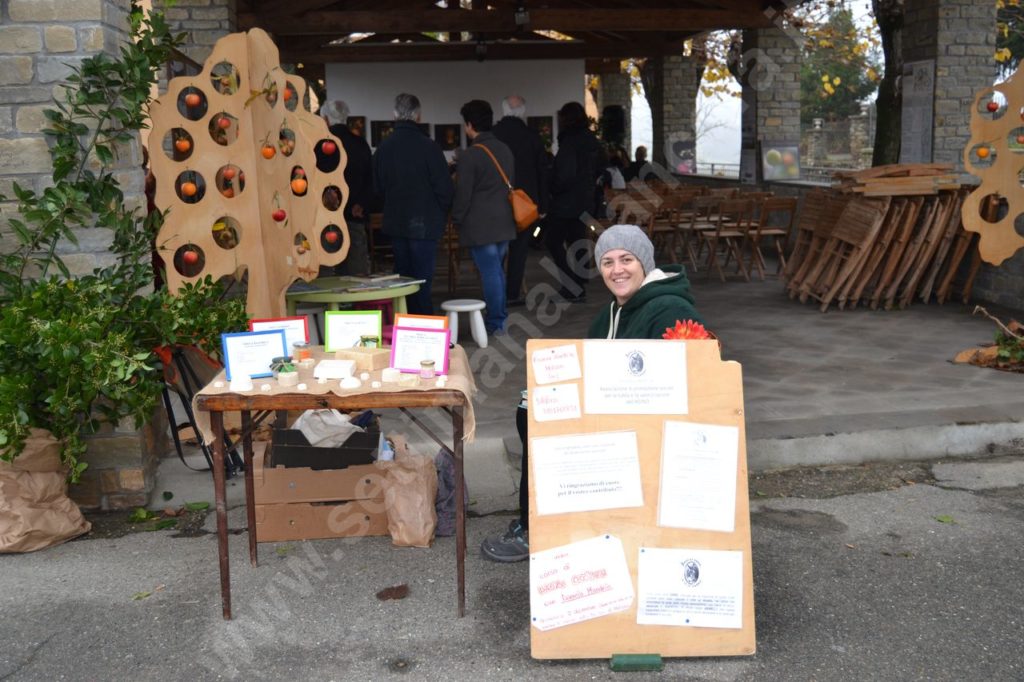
(482, 212)
(531, 174)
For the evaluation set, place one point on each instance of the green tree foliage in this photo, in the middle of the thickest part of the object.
(80, 350)
(838, 71)
(1009, 36)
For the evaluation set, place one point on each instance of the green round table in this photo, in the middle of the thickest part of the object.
(335, 291)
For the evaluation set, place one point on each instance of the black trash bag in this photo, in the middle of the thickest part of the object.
(445, 504)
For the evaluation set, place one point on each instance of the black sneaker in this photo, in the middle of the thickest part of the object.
(508, 548)
(515, 302)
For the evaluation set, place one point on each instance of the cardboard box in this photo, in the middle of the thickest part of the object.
(303, 504)
(366, 359)
(315, 521)
(289, 448)
(280, 485)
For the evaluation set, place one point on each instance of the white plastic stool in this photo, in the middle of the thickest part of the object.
(476, 318)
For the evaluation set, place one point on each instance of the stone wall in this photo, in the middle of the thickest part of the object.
(205, 22)
(960, 36)
(38, 41)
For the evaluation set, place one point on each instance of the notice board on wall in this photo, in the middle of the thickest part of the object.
(639, 516)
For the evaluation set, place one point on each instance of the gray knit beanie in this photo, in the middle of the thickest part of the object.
(629, 238)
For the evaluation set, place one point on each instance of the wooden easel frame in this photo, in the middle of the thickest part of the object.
(715, 396)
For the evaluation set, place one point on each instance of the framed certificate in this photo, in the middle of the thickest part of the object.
(344, 328)
(295, 328)
(251, 353)
(421, 321)
(410, 346)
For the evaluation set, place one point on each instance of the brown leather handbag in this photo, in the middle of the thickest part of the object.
(523, 209)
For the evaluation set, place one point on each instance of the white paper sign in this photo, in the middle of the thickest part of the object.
(344, 328)
(559, 363)
(295, 329)
(553, 403)
(698, 476)
(250, 354)
(584, 472)
(409, 347)
(690, 587)
(634, 377)
(578, 582)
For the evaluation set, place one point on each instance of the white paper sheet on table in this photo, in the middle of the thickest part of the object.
(634, 377)
(557, 402)
(579, 581)
(557, 363)
(585, 472)
(690, 587)
(698, 476)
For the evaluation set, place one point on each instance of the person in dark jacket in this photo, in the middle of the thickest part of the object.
(481, 212)
(647, 301)
(358, 177)
(578, 164)
(410, 173)
(531, 175)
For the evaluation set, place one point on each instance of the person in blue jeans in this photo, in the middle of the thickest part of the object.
(647, 300)
(411, 174)
(481, 210)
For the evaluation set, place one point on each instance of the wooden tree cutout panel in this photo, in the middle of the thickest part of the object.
(234, 152)
(996, 155)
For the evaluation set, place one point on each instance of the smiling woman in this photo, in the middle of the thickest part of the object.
(648, 299)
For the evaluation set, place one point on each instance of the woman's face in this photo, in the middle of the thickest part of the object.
(622, 273)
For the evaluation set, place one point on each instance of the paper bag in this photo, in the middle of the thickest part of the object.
(35, 511)
(410, 489)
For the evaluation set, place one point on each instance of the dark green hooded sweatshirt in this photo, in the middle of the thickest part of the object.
(663, 299)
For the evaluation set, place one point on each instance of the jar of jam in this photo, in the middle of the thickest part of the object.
(301, 351)
(427, 369)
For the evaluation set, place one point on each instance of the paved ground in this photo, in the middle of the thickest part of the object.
(914, 574)
(920, 582)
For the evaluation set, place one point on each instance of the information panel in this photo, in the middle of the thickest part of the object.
(639, 516)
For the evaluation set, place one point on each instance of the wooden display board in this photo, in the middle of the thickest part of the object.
(994, 153)
(714, 396)
(234, 150)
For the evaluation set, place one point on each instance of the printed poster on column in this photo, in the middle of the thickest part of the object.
(579, 581)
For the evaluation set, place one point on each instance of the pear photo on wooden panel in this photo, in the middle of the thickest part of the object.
(239, 179)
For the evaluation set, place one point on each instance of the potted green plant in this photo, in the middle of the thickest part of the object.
(80, 350)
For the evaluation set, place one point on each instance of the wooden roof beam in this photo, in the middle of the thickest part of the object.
(493, 21)
(403, 52)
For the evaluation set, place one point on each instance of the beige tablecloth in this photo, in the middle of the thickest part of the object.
(460, 378)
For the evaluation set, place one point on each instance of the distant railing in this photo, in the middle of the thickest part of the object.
(722, 170)
(817, 174)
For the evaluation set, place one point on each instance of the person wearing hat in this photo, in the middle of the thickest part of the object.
(647, 301)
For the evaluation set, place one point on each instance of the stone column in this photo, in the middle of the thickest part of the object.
(680, 114)
(815, 138)
(616, 89)
(960, 36)
(859, 136)
(770, 75)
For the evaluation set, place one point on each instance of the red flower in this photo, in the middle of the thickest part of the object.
(687, 330)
